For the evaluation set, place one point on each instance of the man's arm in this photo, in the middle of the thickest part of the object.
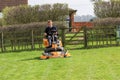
(56, 30)
(45, 32)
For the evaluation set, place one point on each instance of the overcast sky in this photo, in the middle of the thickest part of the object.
(83, 7)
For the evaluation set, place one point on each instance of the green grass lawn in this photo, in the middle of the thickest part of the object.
(85, 64)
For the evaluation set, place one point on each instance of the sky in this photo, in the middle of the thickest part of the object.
(83, 7)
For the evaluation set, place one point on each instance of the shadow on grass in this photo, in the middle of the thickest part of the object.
(19, 51)
(35, 58)
(38, 58)
(91, 47)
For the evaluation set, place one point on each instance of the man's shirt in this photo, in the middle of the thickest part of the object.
(50, 30)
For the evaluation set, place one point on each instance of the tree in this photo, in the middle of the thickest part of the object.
(20, 14)
(39, 13)
(104, 9)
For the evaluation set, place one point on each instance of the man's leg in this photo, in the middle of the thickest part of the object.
(55, 38)
(50, 40)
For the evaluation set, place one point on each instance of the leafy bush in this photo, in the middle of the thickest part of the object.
(30, 26)
(107, 22)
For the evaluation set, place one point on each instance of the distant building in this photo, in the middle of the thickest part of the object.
(79, 21)
(83, 18)
(5, 3)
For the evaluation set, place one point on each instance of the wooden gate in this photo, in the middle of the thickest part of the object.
(73, 39)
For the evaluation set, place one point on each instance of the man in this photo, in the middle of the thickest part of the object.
(49, 31)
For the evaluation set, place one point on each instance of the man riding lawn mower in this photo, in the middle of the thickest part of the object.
(53, 46)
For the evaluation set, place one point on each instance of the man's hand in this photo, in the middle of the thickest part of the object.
(45, 34)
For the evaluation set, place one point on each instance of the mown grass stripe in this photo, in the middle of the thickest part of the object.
(70, 68)
(46, 72)
(111, 71)
(90, 74)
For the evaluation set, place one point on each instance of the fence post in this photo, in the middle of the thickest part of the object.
(63, 36)
(32, 35)
(2, 42)
(85, 37)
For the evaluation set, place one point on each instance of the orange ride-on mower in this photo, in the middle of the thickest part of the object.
(55, 50)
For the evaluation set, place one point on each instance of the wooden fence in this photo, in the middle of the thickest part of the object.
(101, 37)
(84, 38)
(91, 37)
(16, 41)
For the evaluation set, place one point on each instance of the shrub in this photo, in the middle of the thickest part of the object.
(107, 22)
(30, 26)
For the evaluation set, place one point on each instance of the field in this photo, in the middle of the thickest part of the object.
(85, 64)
